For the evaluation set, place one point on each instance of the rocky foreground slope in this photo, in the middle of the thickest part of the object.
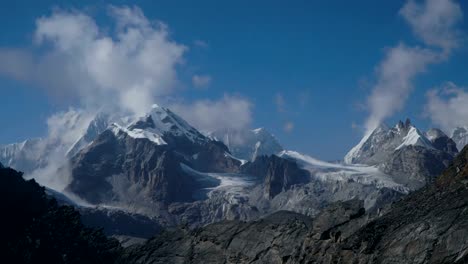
(35, 229)
(427, 226)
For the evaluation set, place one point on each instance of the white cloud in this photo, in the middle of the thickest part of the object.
(394, 81)
(201, 44)
(201, 81)
(447, 107)
(127, 69)
(434, 21)
(65, 128)
(229, 113)
(288, 127)
(280, 103)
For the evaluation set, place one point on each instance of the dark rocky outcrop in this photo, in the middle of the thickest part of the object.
(36, 230)
(119, 223)
(277, 174)
(269, 240)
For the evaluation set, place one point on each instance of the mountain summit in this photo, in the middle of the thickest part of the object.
(383, 141)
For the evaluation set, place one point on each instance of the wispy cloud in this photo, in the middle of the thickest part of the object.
(201, 44)
(394, 81)
(201, 81)
(228, 113)
(280, 103)
(288, 127)
(435, 23)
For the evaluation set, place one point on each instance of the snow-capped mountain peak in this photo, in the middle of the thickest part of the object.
(415, 138)
(165, 121)
(376, 146)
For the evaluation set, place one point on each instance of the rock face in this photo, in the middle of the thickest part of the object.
(415, 166)
(249, 144)
(37, 230)
(269, 240)
(278, 174)
(428, 226)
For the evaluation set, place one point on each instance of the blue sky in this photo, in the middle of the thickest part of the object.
(311, 64)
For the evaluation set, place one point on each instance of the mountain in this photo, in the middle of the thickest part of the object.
(383, 141)
(163, 168)
(411, 157)
(428, 226)
(441, 141)
(35, 229)
(97, 125)
(460, 136)
(139, 167)
(160, 171)
(26, 155)
(248, 144)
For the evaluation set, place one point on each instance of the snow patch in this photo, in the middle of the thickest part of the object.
(138, 133)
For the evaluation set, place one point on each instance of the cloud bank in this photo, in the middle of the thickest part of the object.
(447, 107)
(127, 69)
(435, 23)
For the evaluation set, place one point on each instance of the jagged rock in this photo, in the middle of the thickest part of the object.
(269, 240)
(335, 215)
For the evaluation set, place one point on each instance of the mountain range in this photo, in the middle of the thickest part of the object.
(137, 176)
